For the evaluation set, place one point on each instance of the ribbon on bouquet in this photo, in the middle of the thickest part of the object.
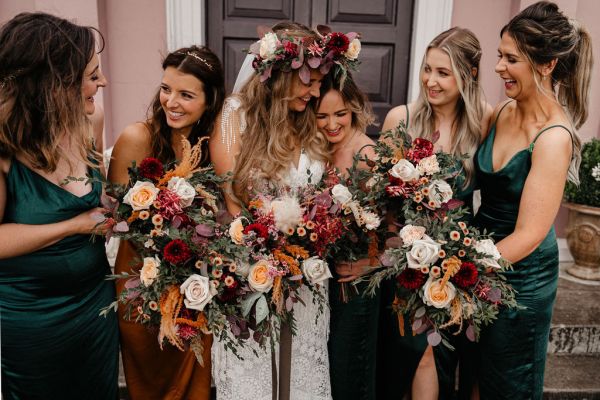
(281, 376)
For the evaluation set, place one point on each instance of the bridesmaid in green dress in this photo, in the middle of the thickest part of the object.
(52, 274)
(450, 102)
(545, 62)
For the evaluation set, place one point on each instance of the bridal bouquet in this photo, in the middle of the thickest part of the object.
(286, 238)
(170, 216)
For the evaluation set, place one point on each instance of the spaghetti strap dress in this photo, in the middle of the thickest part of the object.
(54, 343)
(399, 354)
(512, 351)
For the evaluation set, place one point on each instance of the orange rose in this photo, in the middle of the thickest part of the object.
(259, 278)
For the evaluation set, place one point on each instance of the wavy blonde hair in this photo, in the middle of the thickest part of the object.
(463, 49)
(273, 131)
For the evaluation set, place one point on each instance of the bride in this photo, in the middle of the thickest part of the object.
(268, 131)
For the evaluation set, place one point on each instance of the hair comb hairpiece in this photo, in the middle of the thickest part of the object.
(197, 57)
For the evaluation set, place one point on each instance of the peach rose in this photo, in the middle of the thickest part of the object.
(259, 278)
(141, 195)
(236, 231)
(149, 270)
(436, 295)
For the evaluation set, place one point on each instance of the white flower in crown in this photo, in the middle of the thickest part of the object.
(268, 46)
(353, 49)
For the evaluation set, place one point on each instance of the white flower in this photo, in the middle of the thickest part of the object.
(183, 189)
(197, 291)
(259, 278)
(371, 220)
(428, 165)
(424, 252)
(404, 170)
(341, 194)
(439, 193)
(488, 248)
(236, 231)
(353, 50)
(410, 233)
(149, 270)
(287, 213)
(141, 195)
(437, 296)
(372, 181)
(242, 268)
(596, 172)
(315, 270)
(268, 46)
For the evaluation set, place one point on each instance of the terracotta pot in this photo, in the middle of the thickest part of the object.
(583, 238)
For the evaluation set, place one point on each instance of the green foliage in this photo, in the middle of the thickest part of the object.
(588, 191)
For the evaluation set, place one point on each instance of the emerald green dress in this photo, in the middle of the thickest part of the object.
(54, 343)
(512, 351)
(399, 355)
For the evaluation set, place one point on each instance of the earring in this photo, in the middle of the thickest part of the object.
(544, 77)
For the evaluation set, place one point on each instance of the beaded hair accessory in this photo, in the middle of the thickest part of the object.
(197, 57)
(286, 53)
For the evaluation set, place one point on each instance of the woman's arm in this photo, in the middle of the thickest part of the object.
(133, 144)
(394, 116)
(541, 196)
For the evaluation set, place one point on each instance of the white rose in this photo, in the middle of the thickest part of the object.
(423, 253)
(242, 268)
(236, 231)
(268, 46)
(371, 220)
(287, 213)
(183, 189)
(404, 170)
(410, 233)
(437, 296)
(353, 49)
(439, 193)
(341, 194)
(141, 195)
(149, 270)
(428, 165)
(259, 278)
(315, 270)
(487, 247)
(197, 291)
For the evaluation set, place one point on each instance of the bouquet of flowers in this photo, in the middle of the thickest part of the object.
(285, 238)
(170, 216)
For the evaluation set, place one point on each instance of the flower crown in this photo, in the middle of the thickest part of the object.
(286, 53)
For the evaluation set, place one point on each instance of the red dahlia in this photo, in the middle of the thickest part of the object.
(466, 275)
(151, 168)
(411, 279)
(176, 252)
(338, 42)
(291, 49)
(259, 229)
(421, 148)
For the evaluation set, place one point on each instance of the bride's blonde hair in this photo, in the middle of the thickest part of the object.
(273, 131)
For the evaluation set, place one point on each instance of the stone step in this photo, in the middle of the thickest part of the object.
(570, 376)
(574, 339)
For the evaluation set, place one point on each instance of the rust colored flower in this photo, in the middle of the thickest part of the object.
(177, 252)
(151, 168)
(466, 276)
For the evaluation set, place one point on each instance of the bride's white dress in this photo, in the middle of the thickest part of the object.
(250, 378)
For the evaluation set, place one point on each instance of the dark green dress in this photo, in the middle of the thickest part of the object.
(513, 350)
(399, 355)
(54, 343)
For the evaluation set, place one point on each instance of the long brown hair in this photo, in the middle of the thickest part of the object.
(42, 62)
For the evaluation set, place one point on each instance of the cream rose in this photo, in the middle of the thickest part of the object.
(183, 189)
(404, 170)
(341, 194)
(439, 193)
(315, 270)
(198, 292)
(149, 270)
(242, 268)
(259, 278)
(268, 46)
(410, 233)
(353, 49)
(236, 231)
(436, 295)
(141, 195)
(428, 165)
(488, 248)
(424, 252)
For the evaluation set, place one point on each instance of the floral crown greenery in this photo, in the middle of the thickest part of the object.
(286, 53)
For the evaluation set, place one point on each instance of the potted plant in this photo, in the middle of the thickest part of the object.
(583, 202)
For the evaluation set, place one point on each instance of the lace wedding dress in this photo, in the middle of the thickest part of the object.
(250, 378)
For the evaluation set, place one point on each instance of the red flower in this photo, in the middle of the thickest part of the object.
(338, 43)
(411, 279)
(290, 48)
(259, 229)
(466, 275)
(421, 148)
(151, 168)
(169, 204)
(176, 251)
(186, 332)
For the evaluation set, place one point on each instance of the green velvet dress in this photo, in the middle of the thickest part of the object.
(399, 355)
(54, 343)
(512, 351)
